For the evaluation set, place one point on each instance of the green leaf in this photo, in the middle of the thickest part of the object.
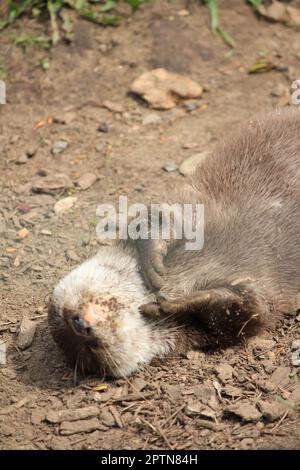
(109, 5)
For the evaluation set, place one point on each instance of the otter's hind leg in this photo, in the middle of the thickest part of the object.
(229, 313)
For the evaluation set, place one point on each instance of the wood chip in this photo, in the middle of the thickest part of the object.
(72, 414)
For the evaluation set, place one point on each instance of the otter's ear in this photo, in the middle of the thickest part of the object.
(230, 313)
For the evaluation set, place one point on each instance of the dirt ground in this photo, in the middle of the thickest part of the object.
(226, 400)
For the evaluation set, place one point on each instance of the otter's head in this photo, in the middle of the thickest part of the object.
(94, 316)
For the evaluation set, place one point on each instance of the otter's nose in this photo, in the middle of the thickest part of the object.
(81, 326)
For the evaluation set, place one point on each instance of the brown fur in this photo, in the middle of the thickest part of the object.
(248, 273)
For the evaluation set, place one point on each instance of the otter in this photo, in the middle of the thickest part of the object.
(139, 299)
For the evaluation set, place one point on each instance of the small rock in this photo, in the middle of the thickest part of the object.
(189, 145)
(295, 395)
(232, 391)
(52, 184)
(247, 443)
(174, 391)
(271, 411)
(2, 353)
(23, 233)
(169, 167)
(6, 430)
(195, 408)
(114, 107)
(225, 372)
(59, 146)
(163, 89)
(37, 416)
(22, 160)
(192, 105)
(31, 150)
(262, 344)
(2, 226)
(265, 385)
(151, 118)
(295, 345)
(46, 232)
(279, 90)
(64, 205)
(26, 333)
(295, 359)
(190, 164)
(138, 384)
(65, 118)
(71, 255)
(60, 443)
(281, 376)
(71, 415)
(86, 181)
(206, 394)
(102, 127)
(67, 428)
(195, 356)
(244, 410)
(183, 13)
(107, 418)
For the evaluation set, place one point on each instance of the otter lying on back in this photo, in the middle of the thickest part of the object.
(244, 279)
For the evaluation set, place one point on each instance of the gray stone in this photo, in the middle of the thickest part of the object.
(169, 167)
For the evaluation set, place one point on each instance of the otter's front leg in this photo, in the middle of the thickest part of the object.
(230, 312)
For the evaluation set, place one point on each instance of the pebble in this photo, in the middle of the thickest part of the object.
(245, 410)
(71, 255)
(169, 167)
(26, 333)
(295, 345)
(247, 443)
(196, 408)
(295, 359)
(46, 232)
(262, 344)
(51, 184)
(67, 428)
(60, 443)
(232, 391)
(151, 118)
(103, 127)
(59, 146)
(281, 376)
(189, 165)
(31, 150)
(22, 160)
(107, 418)
(86, 181)
(23, 233)
(279, 90)
(64, 205)
(6, 430)
(114, 107)
(173, 391)
(224, 372)
(271, 411)
(37, 416)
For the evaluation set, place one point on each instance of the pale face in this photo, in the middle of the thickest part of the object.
(94, 316)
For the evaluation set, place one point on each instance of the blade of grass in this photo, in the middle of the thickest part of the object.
(214, 22)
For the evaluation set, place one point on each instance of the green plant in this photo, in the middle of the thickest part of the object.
(88, 9)
(212, 7)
